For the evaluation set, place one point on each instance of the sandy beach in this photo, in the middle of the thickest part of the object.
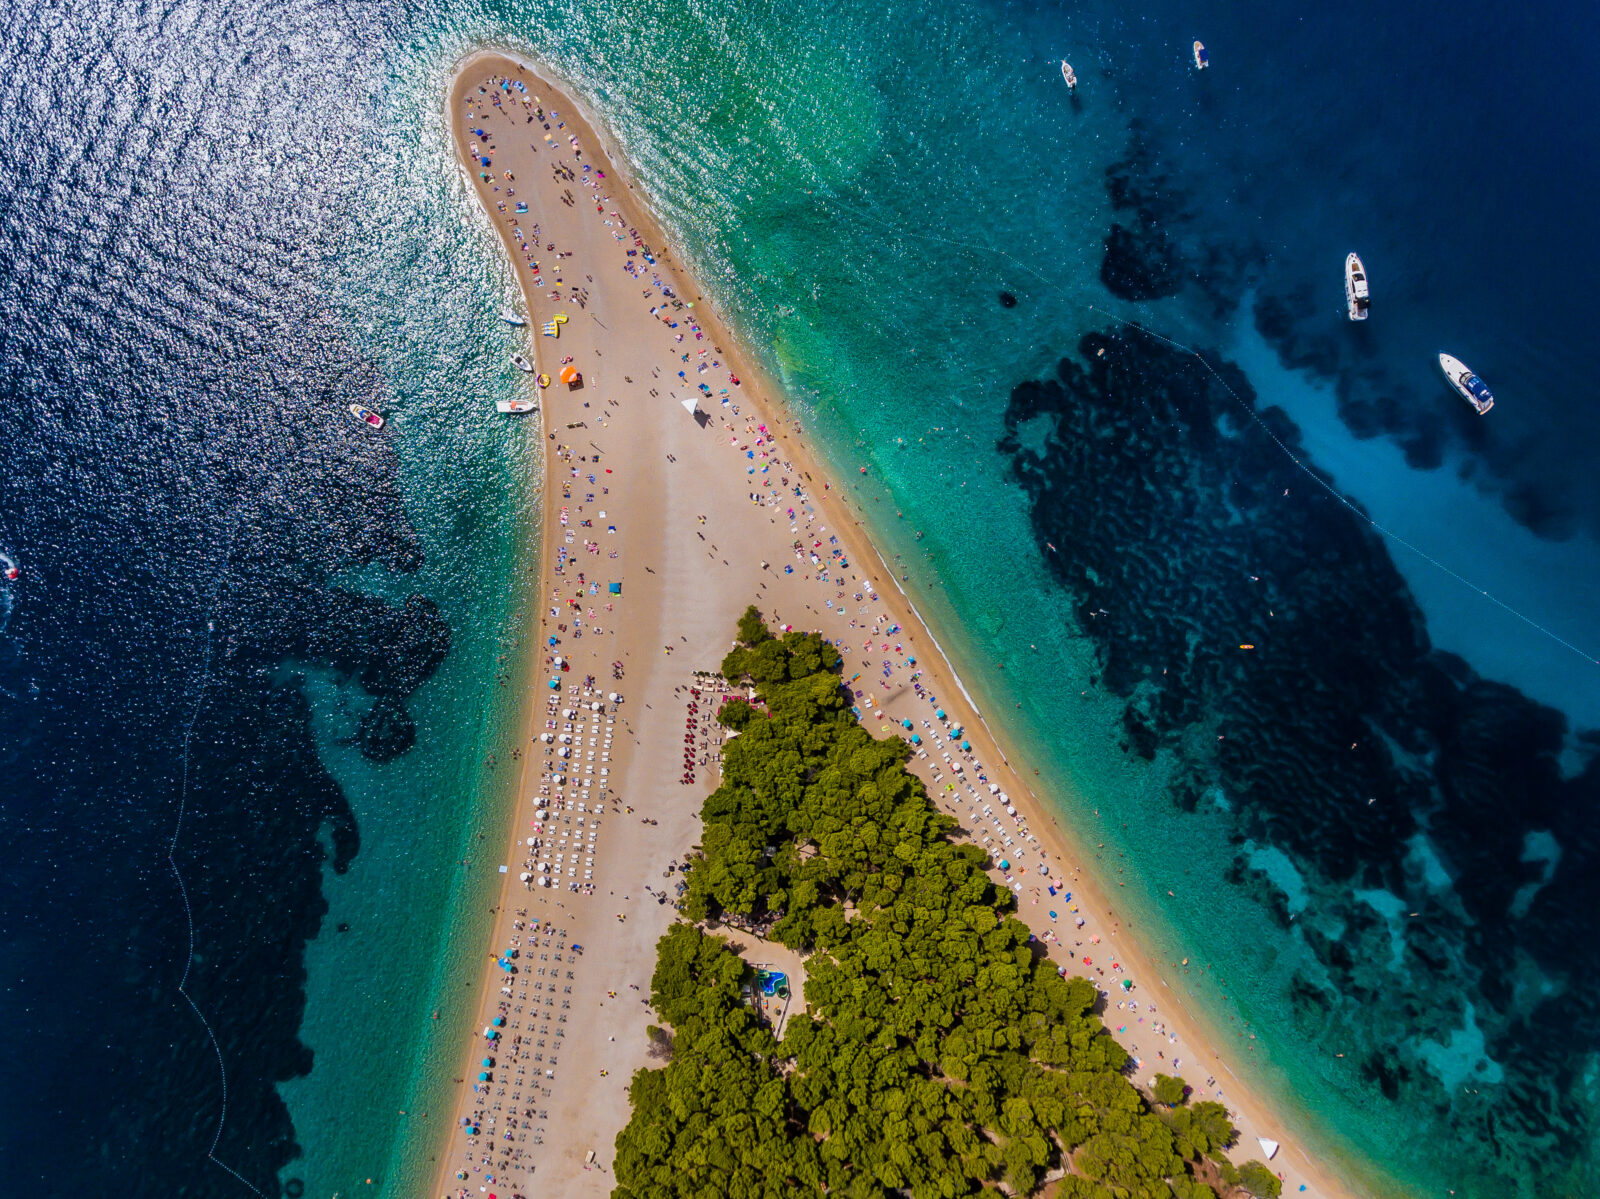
(660, 526)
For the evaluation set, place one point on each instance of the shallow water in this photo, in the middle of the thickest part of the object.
(265, 226)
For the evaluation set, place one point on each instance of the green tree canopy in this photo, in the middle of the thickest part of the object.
(1168, 1090)
(938, 1054)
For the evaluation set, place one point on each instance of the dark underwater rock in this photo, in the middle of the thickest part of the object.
(386, 730)
(1342, 738)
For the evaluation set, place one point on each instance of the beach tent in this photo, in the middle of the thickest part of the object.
(689, 406)
(616, 589)
(1270, 1148)
(569, 374)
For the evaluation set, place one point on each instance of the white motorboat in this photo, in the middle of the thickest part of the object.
(366, 416)
(1202, 60)
(522, 364)
(1473, 389)
(1069, 76)
(1356, 296)
(515, 406)
(511, 318)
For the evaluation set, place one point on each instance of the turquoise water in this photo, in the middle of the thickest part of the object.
(856, 188)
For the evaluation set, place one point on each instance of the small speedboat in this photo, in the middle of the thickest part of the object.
(1473, 389)
(1356, 296)
(366, 416)
(511, 318)
(515, 406)
(522, 364)
(9, 568)
(1202, 60)
(1069, 76)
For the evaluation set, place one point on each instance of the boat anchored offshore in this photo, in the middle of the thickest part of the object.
(515, 406)
(9, 568)
(1473, 389)
(1202, 60)
(522, 364)
(1356, 296)
(1069, 76)
(366, 416)
(511, 318)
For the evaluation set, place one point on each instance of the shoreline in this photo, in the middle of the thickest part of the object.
(833, 506)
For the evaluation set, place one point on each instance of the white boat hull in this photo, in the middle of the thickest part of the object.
(1357, 290)
(522, 364)
(1473, 389)
(515, 406)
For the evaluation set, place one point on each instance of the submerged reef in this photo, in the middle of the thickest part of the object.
(1446, 826)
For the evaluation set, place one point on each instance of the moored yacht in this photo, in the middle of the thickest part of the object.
(1202, 60)
(515, 406)
(522, 364)
(1069, 76)
(366, 416)
(1356, 296)
(511, 318)
(1473, 389)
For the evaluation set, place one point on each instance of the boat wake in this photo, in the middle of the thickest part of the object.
(183, 890)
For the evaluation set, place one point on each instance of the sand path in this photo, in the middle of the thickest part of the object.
(693, 518)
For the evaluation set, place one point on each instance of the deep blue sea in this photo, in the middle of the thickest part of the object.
(256, 675)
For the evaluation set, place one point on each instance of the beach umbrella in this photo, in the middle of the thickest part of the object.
(905, 724)
(939, 713)
(916, 739)
(967, 745)
(499, 1021)
(486, 162)
(487, 1062)
(1004, 864)
(689, 406)
(483, 1076)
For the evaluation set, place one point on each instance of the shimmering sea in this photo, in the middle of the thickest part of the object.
(257, 674)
